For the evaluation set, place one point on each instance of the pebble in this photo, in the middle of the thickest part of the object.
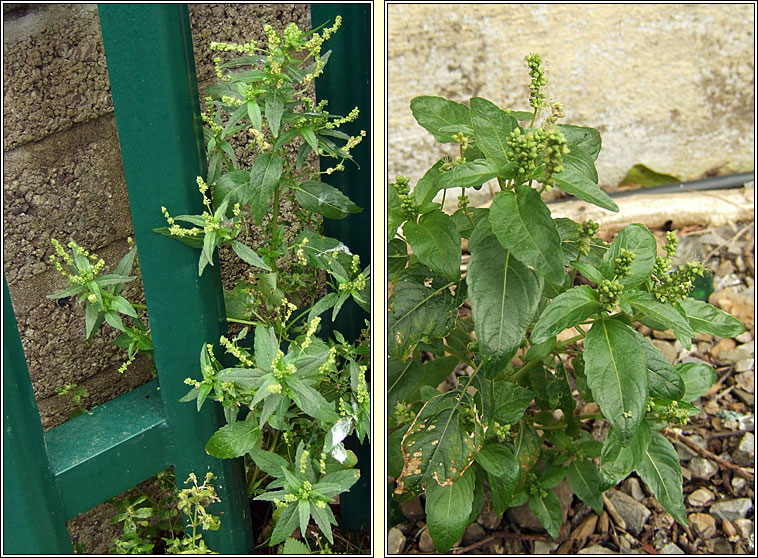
(634, 514)
(731, 356)
(720, 546)
(667, 349)
(744, 337)
(746, 381)
(685, 453)
(524, 518)
(747, 398)
(473, 533)
(745, 452)
(489, 518)
(668, 334)
(395, 541)
(700, 497)
(701, 468)
(744, 527)
(729, 529)
(702, 524)
(738, 483)
(732, 509)
(670, 548)
(632, 487)
(544, 547)
(744, 365)
(686, 474)
(723, 345)
(596, 549)
(425, 542)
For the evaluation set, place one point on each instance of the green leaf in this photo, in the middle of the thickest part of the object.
(394, 452)
(114, 320)
(311, 401)
(418, 312)
(504, 296)
(641, 175)
(248, 255)
(587, 139)
(586, 483)
(470, 174)
(285, 525)
(269, 462)
(123, 269)
(294, 546)
(324, 518)
(404, 379)
(192, 241)
(447, 510)
(510, 400)
(527, 448)
(578, 160)
(574, 182)
(698, 378)
(337, 482)
(705, 318)
(638, 239)
(492, 127)
(325, 200)
(663, 381)
(547, 508)
(274, 110)
(436, 449)
(254, 114)
(664, 314)
(498, 460)
(70, 291)
(266, 347)
(436, 243)
(618, 461)
(426, 188)
(264, 176)
(564, 311)
(659, 469)
(397, 256)
(233, 440)
(120, 304)
(234, 187)
(523, 225)
(434, 113)
(616, 374)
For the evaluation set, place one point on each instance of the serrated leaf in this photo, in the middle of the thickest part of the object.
(435, 448)
(705, 318)
(311, 402)
(285, 525)
(447, 510)
(436, 243)
(492, 127)
(266, 347)
(264, 176)
(325, 200)
(522, 223)
(294, 546)
(564, 311)
(434, 113)
(664, 314)
(660, 470)
(698, 378)
(269, 462)
(547, 508)
(616, 374)
(585, 481)
(618, 461)
(663, 381)
(638, 239)
(471, 174)
(233, 440)
(504, 297)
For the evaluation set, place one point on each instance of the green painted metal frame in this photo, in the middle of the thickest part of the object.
(60, 473)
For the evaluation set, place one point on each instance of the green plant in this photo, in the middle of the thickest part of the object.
(512, 420)
(290, 398)
(77, 393)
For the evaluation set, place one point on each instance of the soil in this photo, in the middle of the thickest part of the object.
(716, 448)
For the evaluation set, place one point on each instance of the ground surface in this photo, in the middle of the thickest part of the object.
(716, 448)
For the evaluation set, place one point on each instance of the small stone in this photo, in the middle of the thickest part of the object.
(544, 547)
(744, 365)
(685, 453)
(738, 483)
(634, 514)
(670, 548)
(723, 345)
(473, 533)
(413, 510)
(686, 474)
(667, 349)
(745, 397)
(596, 549)
(745, 452)
(425, 542)
(732, 509)
(632, 487)
(700, 497)
(744, 337)
(489, 518)
(731, 356)
(395, 541)
(746, 381)
(711, 407)
(725, 268)
(729, 529)
(702, 468)
(524, 518)
(720, 546)
(744, 527)
(662, 522)
(667, 334)
(702, 524)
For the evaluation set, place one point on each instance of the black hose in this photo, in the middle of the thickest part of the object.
(713, 183)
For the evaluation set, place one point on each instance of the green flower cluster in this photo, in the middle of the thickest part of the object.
(502, 431)
(587, 231)
(86, 265)
(407, 202)
(622, 265)
(609, 292)
(536, 97)
(672, 286)
(403, 413)
(554, 148)
(524, 149)
(671, 413)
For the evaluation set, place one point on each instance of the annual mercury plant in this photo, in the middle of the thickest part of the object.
(290, 397)
(512, 421)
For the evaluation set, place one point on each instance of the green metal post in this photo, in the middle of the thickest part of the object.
(34, 521)
(152, 74)
(346, 83)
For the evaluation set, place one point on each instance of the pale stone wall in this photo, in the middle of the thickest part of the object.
(669, 86)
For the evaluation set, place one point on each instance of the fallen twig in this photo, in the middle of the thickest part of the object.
(740, 471)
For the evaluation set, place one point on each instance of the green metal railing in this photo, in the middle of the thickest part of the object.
(53, 476)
